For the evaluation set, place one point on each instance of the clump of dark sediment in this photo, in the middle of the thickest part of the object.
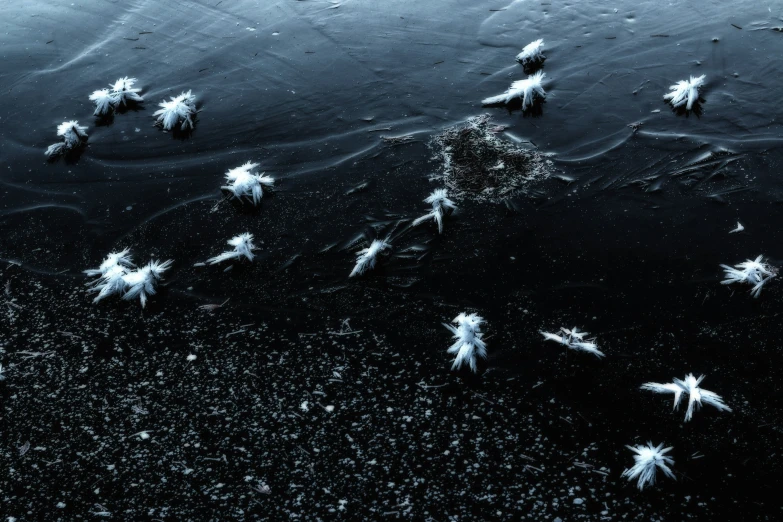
(477, 163)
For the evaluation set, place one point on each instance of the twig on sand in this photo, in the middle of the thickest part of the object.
(332, 332)
(212, 307)
(428, 386)
(32, 355)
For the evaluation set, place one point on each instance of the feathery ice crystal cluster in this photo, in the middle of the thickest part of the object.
(756, 272)
(179, 108)
(366, 257)
(528, 91)
(685, 92)
(648, 458)
(73, 135)
(243, 247)
(575, 340)
(469, 343)
(116, 275)
(439, 199)
(531, 54)
(696, 395)
(121, 92)
(243, 182)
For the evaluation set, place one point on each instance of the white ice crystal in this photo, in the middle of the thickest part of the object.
(468, 342)
(685, 92)
(365, 258)
(440, 205)
(648, 458)
(121, 92)
(111, 282)
(73, 136)
(114, 259)
(243, 247)
(124, 91)
(575, 340)
(103, 100)
(117, 277)
(739, 228)
(696, 395)
(527, 90)
(756, 272)
(141, 283)
(2, 376)
(111, 273)
(531, 53)
(243, 182)
(179, 108)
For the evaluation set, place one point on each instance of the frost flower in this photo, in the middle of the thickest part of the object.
(73, 135)
(103, 100)
(527, 90)
(243, 182)
(647, 459)
(141, 283)
(111, 274)
(243, 247)
(440, 205)
(179, 108)
(468, 342)
(575, 340)
(121, 92)
(112, 260)
(366, 257)
(116, 276)
(124, 91)
(756, 273)
(531, 54)
(696, 395)
(685, 92)
(110, 283)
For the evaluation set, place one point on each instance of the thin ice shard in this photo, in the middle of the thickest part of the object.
(739, 228)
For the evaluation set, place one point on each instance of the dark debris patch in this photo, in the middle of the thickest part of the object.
(105, 410)
(288, 411)
(477, 163)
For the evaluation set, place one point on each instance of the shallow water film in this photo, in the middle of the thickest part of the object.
(364, 258)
